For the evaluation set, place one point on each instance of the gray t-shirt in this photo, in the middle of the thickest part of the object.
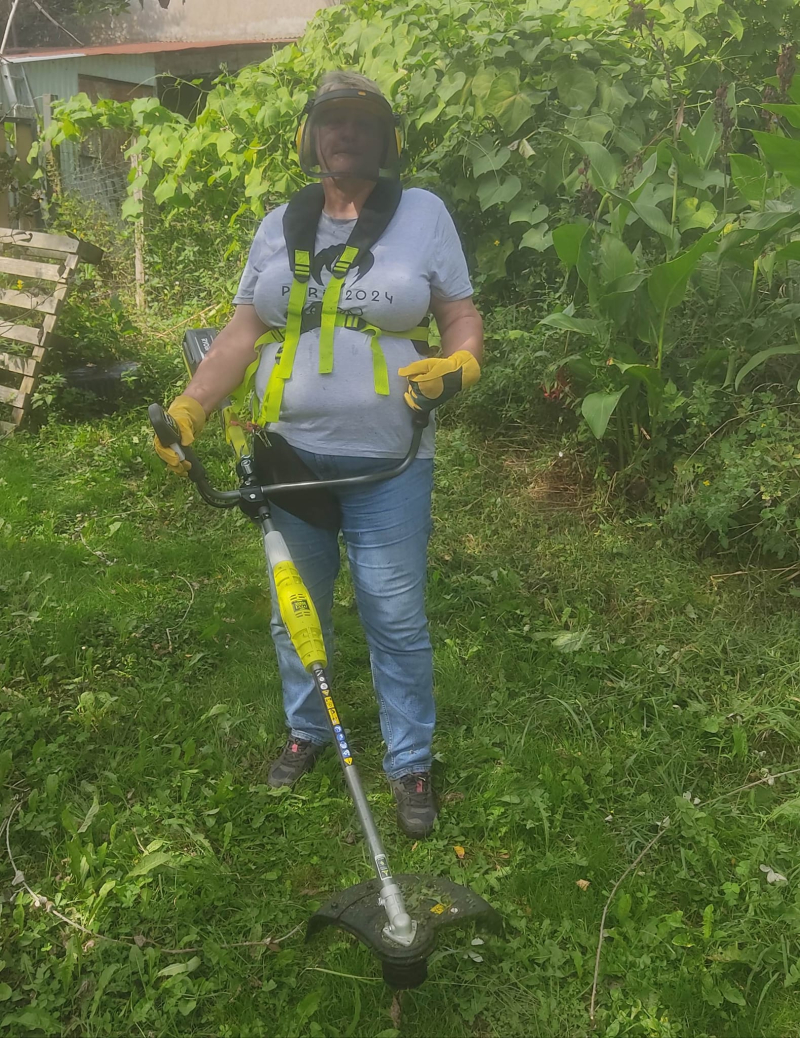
(418, 256)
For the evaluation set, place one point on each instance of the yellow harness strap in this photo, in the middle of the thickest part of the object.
(330, 319)
(294, 317)
(273, 395)
(330, 308)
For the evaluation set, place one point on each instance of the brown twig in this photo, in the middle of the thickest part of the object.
(58, 25)
(180, 324)
(606, 907)
(191, 603)
(99, 554)
(766, 780)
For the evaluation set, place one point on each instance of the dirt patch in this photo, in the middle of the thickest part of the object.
(559, 485)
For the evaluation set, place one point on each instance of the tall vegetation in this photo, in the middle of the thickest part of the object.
(624, 175)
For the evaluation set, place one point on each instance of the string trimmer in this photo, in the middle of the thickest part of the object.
(396, 917)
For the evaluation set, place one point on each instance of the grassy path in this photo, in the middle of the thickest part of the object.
(592, 680)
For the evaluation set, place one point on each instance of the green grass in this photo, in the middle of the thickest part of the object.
(589, 675)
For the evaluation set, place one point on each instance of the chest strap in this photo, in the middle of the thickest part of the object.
(244, 397)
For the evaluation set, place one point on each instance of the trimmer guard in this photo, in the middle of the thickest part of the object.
(433, 902)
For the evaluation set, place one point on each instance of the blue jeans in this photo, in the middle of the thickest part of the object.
(385, 527)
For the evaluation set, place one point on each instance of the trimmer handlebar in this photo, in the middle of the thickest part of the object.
(169, 435)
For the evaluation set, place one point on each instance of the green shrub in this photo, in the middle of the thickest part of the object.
(741, 486)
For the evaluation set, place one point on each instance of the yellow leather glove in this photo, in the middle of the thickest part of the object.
(190, 418)
(434, 380)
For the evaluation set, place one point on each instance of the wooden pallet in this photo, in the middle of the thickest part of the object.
(36, 273)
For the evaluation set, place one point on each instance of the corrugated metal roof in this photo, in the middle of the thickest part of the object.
(135, 48)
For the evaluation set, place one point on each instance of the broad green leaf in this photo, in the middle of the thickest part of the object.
(566, 323)
(308, 1005)
(760, 358)
(750, 176)
(704, 141)
(165, 190)
(693, 213)
(482, 82)
(254, 184)
(772, 220)
(32, 1019)
(791, 113)
(576, 87)
(90, 814)
(706, 7)
(651, 377)
(486, 159)
(604, 168)
(585, 264)
(434, 107)
(782, 153)
(528, 212)
(223, 142)
(597, 409)
(451, 84)
(491, 256)
(708, 922)
(614, 98)
(594, 127)
(5, 992)
(647, 212)
(506, 103)
(758, 231)
(788, 252)
(150, 862)
(492, 190)
(618, 296)
(689, 40)
(538, 238)
(667, 283)
(649, 166)
(654, 218)
(180, 967)
(730, 20)
(616, 259)
(626, 283)
(732, 994)
(567, 238)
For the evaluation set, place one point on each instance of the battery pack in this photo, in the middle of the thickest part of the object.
(196, 344)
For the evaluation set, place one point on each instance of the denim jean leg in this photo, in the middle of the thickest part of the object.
(386, 529)
(315, 552)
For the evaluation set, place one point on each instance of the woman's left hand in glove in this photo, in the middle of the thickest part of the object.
(435, 380)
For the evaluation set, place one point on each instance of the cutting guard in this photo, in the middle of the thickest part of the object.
(432, 901)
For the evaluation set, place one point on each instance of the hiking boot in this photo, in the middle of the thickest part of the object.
(416, 804)
(297, 757)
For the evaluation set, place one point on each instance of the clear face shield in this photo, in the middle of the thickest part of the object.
(349, 133)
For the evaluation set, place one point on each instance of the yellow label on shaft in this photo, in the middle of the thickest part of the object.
(299, 615)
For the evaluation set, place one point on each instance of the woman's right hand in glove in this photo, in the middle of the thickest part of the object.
(190, 417)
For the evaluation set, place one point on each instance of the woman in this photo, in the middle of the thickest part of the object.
(376, 260)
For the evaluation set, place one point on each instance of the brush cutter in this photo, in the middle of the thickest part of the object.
(396, 917)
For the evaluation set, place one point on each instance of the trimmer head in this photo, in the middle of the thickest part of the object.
(433, 902)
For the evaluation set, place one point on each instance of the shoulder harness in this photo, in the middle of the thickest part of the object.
(300, 222)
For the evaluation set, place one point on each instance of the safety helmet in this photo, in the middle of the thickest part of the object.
(319, 108)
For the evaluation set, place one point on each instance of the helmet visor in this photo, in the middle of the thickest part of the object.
(349, 133)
